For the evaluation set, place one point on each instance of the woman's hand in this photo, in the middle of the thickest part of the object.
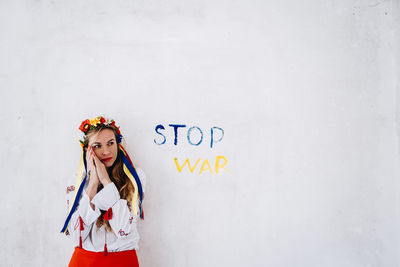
(91, 190)
(91, 167)
(101, 171)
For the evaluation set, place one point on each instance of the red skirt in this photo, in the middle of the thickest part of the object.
(84, 258)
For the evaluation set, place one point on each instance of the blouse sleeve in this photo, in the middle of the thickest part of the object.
(122, 218)
(84, 211)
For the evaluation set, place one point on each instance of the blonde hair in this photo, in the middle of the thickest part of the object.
(116, 174)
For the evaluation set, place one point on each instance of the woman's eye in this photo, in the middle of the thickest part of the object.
(95, 146)
(111, 143)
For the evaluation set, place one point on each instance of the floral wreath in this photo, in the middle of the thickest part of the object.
(89, 124)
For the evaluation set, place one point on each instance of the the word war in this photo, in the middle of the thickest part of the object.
(205, 166)
(199, 165)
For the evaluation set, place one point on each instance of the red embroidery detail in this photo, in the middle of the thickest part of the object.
(81, 222)
(105, 249)
(77, 224)
(122, 233)
(70, 188)
(130, 219)
(108, 215)
(80, 231)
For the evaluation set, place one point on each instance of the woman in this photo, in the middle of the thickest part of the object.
(106, 200)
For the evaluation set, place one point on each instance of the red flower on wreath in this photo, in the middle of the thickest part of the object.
(115, 126)
(102, 120)
(85, 126)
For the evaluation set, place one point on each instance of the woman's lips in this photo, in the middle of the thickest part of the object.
(106, 159)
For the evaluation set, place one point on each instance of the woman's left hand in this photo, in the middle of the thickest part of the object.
(102, 171)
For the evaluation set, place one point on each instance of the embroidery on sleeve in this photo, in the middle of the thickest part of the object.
(122, 233)
(70, 189)
(78, 223)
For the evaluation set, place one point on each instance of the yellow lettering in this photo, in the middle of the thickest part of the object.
(217, 166)
(186, 162)
(204, 169)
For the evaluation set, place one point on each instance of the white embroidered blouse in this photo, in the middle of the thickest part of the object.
(124, 235)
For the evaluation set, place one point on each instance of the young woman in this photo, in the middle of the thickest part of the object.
(106, 201)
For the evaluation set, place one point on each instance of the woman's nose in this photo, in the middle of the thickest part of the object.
(106, 151)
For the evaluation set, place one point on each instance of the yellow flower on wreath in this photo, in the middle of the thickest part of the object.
(95, 121)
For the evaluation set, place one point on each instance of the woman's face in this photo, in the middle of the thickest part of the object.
(105, 146)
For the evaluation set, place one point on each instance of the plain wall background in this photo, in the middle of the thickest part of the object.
(307, 93)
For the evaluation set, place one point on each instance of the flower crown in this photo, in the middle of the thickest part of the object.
(89, 124)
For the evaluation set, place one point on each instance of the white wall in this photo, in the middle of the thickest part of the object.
(307, 93)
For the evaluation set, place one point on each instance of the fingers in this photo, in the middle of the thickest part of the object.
(93, 156)
(90, 153)
(91, 166)
(97, 161)
(90, 158)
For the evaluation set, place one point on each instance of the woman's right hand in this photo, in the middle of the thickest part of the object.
(92, 173)
(90, 163)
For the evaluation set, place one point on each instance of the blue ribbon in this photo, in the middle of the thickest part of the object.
(135, 175)
(77, 198)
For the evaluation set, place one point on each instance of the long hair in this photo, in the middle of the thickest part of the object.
(116, 174)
